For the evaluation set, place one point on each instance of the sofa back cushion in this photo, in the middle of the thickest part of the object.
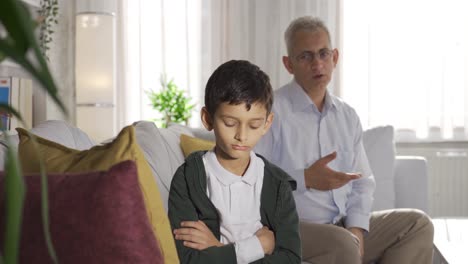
(95, 217)
(59, 158)
(380, 149)
(378, 143)
(54, 130)
(64, 133)
(162, 151)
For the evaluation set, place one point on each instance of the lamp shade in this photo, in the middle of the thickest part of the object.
(95, 69)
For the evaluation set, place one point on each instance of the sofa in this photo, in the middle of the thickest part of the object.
(401, 180)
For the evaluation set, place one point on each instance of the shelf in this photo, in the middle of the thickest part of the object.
(9, 63)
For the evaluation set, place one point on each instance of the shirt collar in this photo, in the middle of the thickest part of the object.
(226, 177)
(330, 102)
(302, 101)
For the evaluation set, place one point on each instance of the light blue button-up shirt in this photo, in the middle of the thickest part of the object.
(300, 135)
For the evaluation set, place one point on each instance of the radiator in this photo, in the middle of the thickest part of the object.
(448, 179)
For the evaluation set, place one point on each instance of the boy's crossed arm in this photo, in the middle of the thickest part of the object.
(196, 235)
(181, 209)
(195, 241)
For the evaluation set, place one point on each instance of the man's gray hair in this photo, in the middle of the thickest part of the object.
(308, 23)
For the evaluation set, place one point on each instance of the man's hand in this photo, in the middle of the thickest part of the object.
(359, 233)
(196, 235)
(320, 177)
(267, 239)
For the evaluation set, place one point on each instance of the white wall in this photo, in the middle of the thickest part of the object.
(61, 60)
(61, 65)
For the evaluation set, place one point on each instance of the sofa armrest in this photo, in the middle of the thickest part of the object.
(411, 183)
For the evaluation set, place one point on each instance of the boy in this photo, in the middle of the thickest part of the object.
(229, 205)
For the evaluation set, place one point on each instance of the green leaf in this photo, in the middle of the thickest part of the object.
(5, 108)
(45, 200)
(40, 72)
(14, 24)
(14, 192)
(17, 21)
(9, 40)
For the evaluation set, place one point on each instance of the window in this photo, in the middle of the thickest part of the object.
(189, 39)
(405, 63)
(158, 38)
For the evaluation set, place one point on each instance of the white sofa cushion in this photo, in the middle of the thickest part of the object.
(64, 133)
(411, 183)
(380, 149)
(199, 132)
(161, 148)
(55, 130)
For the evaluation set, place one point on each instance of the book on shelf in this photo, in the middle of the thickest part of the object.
(26, 100)
(16, 92)
(5, 87)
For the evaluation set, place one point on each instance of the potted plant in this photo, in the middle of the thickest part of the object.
(172, 103)
(21, 46)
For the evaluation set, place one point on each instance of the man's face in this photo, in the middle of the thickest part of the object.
(237, 130)
(312, 60)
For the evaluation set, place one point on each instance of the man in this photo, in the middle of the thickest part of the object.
(317, 139)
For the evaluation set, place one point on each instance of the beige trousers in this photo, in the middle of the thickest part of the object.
(397, 236)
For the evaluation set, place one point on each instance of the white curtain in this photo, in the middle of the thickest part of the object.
(406, 64)
(156, 38)
(188, 39)
(253, 30)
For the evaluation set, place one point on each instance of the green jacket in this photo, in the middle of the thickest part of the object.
(188, 202)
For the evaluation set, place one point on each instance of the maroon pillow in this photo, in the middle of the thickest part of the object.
(96, 217)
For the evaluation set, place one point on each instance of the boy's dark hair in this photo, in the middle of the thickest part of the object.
(237, 82)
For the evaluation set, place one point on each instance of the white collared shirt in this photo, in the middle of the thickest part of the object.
(237, 199)
(300, 135)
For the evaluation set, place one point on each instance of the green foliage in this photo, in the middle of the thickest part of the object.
(14, 191)
(172, 102)
(21, 46)
(48, 14)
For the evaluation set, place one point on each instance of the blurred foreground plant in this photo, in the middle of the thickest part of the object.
(21, 46)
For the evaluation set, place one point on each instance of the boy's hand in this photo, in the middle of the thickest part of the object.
(196, 235)
(267, 239)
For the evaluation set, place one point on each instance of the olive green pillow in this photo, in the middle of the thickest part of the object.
(191, 144)
(59, 159)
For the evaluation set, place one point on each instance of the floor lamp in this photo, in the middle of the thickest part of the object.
(95, 76)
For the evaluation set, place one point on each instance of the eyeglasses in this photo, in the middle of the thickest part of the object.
(308, 56)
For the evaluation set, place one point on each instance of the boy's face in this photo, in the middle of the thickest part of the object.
(237, 130)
